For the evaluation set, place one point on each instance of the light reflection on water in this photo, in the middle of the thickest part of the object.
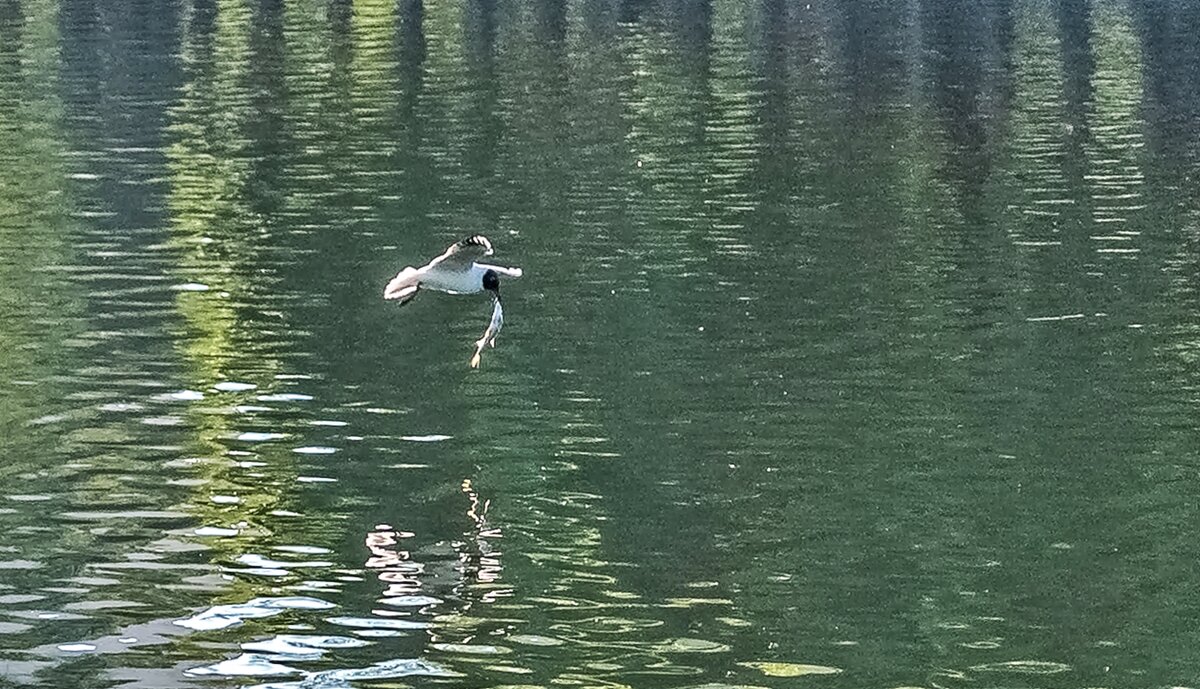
(855, 344)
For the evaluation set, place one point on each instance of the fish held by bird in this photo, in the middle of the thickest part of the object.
(489, 335)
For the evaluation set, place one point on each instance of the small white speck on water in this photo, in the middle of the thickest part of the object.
(76, 648)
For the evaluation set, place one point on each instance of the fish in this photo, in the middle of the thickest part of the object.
(489, 335)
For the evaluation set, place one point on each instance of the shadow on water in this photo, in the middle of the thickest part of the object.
(855, 343)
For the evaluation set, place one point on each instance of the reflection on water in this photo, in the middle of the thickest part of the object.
(857, 345)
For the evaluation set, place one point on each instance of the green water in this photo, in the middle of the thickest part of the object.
(858, 344)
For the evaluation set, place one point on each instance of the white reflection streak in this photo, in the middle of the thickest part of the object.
(481, 562)
(396, 568)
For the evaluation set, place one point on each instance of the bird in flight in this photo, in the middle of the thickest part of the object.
(456, 271)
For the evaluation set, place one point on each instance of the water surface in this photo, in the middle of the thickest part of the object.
(857, 345)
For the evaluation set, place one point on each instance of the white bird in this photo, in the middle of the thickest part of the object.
(455, 271)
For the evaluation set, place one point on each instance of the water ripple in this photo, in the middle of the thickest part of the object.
(1024, 667)
(377, 623)
(341, 679)
(223, 616)
(245, 665)
(301, 646)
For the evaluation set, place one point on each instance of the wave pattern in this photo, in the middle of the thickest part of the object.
(850, 335)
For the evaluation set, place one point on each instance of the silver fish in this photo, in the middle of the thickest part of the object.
(489, 335)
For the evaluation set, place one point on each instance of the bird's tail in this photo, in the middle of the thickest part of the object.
(503, 270)
(404, 286)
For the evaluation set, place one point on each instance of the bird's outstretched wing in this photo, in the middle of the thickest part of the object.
(464, 253)
(404, 286)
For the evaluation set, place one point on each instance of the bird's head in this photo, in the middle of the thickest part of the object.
(491, 282)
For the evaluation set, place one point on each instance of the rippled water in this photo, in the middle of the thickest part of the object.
(857, 345)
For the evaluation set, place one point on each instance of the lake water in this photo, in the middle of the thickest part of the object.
(858, 344)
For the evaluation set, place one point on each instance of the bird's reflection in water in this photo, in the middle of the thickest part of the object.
(479, 560)
(461, 571)
(400, 574)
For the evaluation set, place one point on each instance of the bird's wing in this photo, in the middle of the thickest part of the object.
(404, 284)
(463, 253)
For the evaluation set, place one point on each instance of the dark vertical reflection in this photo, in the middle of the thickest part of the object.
(339, 27)
(11, 21)
(958, 34)
(597, 130)
(867, 37)
(550, 18)
(776, 176)
(691, 22)
(1074, 29)
(118, 61)
(1073, 18)
(541, 115)
(1172, 46)
(483, 127)
(340, 15)
(866, 49)
(1170, 39)
(411, 46)
(631, 10)
(269, 98)
(417, 168)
